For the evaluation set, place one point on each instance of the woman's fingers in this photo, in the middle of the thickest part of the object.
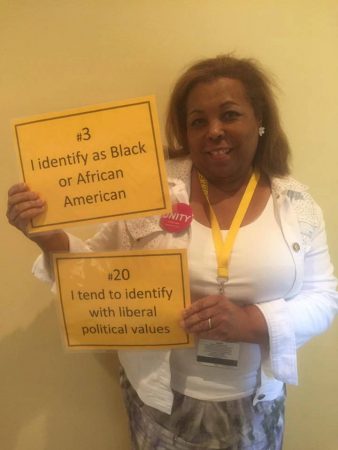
(215, 317)
(23, 205)
(196, 318)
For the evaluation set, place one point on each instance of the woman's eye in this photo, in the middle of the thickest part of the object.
(230, 115)
(195, 123)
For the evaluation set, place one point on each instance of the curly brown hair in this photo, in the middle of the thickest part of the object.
(273, 152)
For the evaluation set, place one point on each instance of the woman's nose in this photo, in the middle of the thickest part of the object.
(216, 130)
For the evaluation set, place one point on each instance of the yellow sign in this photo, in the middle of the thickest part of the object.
(123, 300)
(95, 164)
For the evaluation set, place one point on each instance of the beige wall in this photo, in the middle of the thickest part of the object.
(61, 54)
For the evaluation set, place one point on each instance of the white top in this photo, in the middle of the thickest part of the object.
(255, 276)
(307, 310)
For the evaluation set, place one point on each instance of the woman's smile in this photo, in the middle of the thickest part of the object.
(219, 154)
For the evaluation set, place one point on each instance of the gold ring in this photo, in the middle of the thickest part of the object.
(209, 323)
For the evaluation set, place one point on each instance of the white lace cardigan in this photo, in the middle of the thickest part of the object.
(307, 310)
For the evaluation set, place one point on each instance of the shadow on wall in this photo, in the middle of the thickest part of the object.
(52, 399)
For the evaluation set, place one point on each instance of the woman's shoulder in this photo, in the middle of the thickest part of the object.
(308, 212)
(288, 186)
(296, 191)
(179, 168)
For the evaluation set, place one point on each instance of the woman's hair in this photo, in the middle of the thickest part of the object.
(272, 155)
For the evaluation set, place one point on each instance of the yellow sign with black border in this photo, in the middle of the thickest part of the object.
(123, 300)
(94, 164)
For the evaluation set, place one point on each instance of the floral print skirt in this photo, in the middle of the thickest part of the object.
(198, 424)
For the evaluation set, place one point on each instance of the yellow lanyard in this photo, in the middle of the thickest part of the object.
(223, 249)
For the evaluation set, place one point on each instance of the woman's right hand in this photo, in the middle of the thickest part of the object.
(23, 205)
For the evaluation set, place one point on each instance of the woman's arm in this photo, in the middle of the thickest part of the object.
(294, 321)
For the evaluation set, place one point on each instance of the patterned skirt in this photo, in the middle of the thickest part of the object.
(197, 424)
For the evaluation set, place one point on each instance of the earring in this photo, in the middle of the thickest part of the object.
(261, 131)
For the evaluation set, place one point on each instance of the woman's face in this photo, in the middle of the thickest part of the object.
(222, 129)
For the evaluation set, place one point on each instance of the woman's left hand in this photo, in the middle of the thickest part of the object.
(216, 317)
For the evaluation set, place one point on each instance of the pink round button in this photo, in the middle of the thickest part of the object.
(178, 220)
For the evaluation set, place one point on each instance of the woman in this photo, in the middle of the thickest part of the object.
(256, 298)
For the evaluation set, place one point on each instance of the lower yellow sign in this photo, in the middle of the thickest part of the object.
(122, 300)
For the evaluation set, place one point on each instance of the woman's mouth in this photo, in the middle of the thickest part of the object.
(219, 153)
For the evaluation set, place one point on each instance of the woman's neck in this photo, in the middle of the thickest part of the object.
(229, 186)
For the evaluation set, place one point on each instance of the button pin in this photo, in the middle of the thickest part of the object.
(296, 247)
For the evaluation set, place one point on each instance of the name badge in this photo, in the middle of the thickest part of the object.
(218, 353)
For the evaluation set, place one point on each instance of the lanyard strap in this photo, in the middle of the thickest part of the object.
(223, 248)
